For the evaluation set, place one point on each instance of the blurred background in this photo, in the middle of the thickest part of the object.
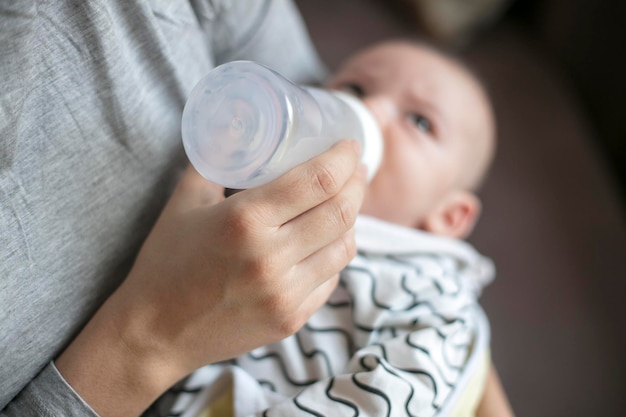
(554, 219)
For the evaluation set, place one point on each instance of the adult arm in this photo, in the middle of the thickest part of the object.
(215, 280)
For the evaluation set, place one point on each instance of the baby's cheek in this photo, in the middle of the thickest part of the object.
(385, 204)
(374, 204)
(368, 203)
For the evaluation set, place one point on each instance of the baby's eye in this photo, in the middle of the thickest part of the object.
(421, 122)
(355, 89)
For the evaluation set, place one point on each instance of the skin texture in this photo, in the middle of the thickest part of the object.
(216, 278)
(438, 135)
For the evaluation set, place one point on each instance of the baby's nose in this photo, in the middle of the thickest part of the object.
(383, 109)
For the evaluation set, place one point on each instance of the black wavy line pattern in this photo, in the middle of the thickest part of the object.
(409, 370)
(422, 373)
(342, 332)
(339, 400)
(413, 305)
(374, 391)
(341, 304)
(408, 383)
(305, 409)
(310, 354)
(375, 301)
(419, 270)
(186, 390)
(267, 384)
(447, 362)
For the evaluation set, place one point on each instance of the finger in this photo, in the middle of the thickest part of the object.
(318, 297)
(328, 261)
(193, 191)
(325, 223)
(307, 185)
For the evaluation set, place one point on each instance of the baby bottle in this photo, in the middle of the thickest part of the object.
(244, 125)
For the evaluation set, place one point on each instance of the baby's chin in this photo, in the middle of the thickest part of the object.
(387, 213)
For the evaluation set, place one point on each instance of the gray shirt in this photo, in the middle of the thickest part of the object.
(91, 95)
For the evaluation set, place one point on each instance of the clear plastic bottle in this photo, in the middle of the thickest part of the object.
(244, 125)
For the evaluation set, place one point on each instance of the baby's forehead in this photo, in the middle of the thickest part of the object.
(440, 76)
(410, 58)
(396, 46)
(413, 62)
(451, 85)
(393, 51)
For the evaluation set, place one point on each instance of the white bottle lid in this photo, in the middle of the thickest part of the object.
(372, 146)
(233, 123)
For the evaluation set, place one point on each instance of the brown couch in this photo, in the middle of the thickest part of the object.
(553, 220)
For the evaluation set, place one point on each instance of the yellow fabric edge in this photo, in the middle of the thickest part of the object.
(221, 407)
(466, 407)
(470, 399)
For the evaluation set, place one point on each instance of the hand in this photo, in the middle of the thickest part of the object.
(250, 270)
(217, 278)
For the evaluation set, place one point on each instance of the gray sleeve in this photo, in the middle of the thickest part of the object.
(111, 75)
(48, 395)
(275, 36)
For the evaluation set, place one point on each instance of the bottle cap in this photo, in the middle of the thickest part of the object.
(372, 146)
(232, 123)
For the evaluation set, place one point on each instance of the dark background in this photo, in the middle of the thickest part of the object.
(588, 40)
(553, 218)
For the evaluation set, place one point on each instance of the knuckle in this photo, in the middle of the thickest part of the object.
(345, 212)
(324, 181)
(263, 268)
(238, 220)
(290, 325)
(344, 249)
(349, 245)
(242, 224)
(348, 248)
(281, 311)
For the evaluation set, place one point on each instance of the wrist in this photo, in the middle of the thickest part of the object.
(112, 371)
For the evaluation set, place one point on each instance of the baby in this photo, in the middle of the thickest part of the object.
(403, 333)
(438, 131)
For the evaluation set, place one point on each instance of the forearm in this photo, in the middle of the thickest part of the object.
(209, 283)
(112, 373)
(181, 296)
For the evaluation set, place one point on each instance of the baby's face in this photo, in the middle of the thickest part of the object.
(436, 123)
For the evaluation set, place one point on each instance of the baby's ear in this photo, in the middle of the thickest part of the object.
(455, 216)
